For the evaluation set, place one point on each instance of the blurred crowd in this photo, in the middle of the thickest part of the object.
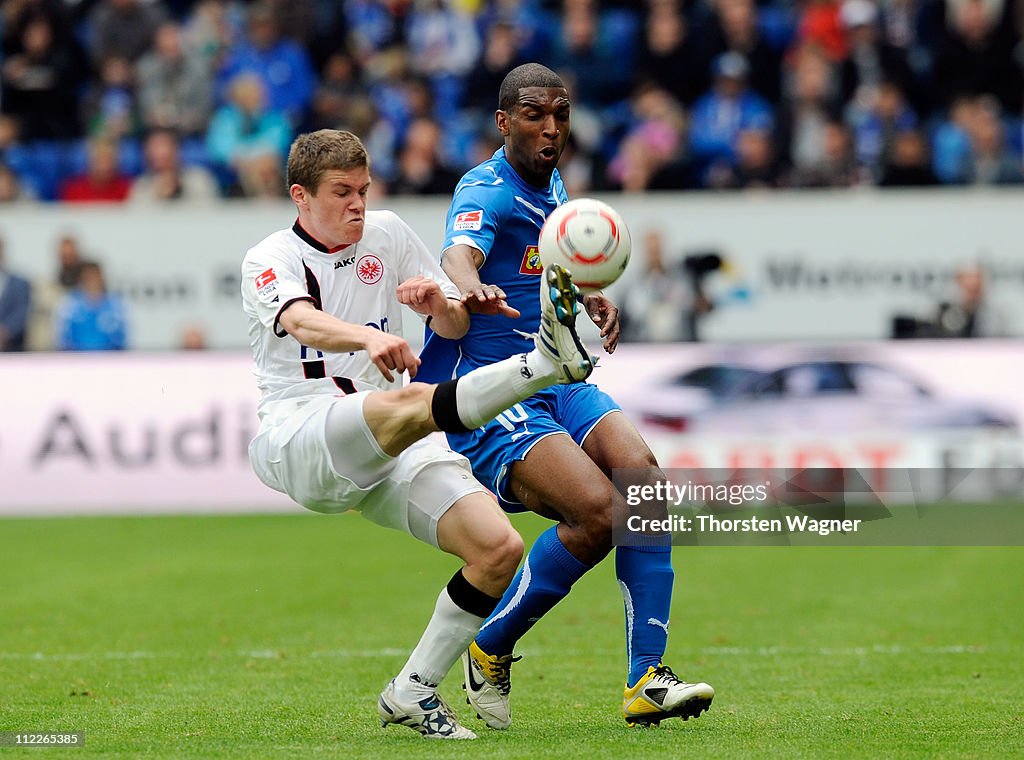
(140, 100)
(71, 311)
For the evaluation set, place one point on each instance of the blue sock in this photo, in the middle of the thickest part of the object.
(543, 580)
(645, 577)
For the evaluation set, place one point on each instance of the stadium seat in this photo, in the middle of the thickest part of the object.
(77, 157)
(130, 157)
(193, 153)
(19, 158)
(49, 167)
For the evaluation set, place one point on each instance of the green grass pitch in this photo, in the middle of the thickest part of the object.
(271, 636)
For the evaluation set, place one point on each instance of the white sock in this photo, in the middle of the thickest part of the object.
(487, 391)
(447, 636)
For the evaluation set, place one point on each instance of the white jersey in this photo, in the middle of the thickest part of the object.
(355, 283)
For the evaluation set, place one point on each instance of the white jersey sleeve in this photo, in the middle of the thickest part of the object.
(271, 281)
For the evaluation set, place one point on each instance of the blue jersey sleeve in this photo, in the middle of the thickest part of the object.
(474, 218)
(478, 209)
(498, 214)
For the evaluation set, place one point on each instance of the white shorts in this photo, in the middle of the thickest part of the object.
(410, 492)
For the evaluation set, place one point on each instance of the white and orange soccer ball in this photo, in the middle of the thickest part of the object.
(590, 239)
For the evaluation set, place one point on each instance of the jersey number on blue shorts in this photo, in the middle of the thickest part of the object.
(511, 416)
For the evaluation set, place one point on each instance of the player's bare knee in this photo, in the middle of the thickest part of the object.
(645, 464)
(597, 531)
(589, 525)
(508, 556)
(498, 557)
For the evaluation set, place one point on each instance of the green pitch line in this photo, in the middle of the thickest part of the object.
(271, 636)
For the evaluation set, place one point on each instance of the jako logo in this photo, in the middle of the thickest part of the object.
(344, 262)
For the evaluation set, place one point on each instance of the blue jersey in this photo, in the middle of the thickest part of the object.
(495, 211)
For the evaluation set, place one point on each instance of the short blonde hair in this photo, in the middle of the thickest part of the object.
(315, 153)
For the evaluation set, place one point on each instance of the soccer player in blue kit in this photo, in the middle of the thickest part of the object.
(554, 453)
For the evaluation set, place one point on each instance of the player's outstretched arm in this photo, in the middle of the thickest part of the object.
(317, 329)
(605, 314)
(461, 263)
(448, 317)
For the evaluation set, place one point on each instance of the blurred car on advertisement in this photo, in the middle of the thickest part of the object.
(824, 396)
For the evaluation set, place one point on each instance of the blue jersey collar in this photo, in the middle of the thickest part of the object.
(548, 191)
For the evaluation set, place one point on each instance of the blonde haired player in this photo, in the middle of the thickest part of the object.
(338, 432)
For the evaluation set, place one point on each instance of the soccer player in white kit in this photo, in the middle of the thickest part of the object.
(337, 429)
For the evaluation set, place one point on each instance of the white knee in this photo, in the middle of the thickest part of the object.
(498, 557)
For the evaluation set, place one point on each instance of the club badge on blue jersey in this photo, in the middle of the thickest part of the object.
(531, 263)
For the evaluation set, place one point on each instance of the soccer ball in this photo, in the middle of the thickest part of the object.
(590, 239)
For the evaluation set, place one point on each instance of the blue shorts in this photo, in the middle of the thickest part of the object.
(574, 409)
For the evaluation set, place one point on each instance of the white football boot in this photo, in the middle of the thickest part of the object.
(431, 717)
(488, 682)
(659, 694)
(557, 339)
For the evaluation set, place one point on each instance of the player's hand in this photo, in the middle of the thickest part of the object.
(606, 316)
(488, 299)
(423, 295)
(390, 353)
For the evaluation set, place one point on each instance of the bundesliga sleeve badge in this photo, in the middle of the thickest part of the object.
(266, 283)
(468, 220)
